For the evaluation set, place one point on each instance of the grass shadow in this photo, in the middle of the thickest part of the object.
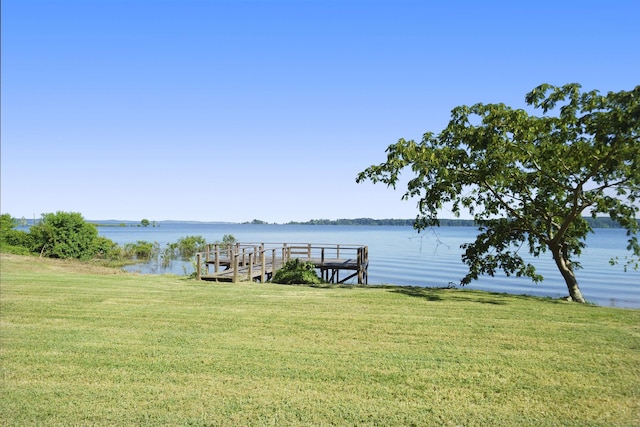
(430, 294)
(448, 293)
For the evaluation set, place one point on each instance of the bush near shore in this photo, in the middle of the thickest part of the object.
(66, 235)
(86, 345)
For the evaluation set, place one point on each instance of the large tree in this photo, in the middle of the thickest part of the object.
(528, 179)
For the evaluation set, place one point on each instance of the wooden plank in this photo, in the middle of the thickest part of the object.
(243, 272)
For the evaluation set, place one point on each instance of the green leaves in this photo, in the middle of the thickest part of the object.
(64, 235)
(297, 272)
(539, 173)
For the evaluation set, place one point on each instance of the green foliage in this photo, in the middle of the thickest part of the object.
(63, 235)
(229, 240)
(596, 222)
(12, 240)
(357, 221)
(297, 272)
(145, 222)
(526, 179)
(185, 247)
(67, 235)
(7, 223)
(104, 248)
(141, 250)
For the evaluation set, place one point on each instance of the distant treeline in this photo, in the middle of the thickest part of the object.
(599, 222)
(388, 221)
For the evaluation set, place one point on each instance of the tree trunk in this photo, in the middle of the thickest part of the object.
(566, 270)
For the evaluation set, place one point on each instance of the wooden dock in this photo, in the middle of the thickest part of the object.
(259, 261)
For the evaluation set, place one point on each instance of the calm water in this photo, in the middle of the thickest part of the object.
(400, 256)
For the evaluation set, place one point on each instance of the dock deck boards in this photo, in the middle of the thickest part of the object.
(243, 271)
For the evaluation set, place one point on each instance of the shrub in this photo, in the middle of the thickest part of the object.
(12, 240)
(104, 248)
(63, 235)
(7, 223)
(142, 250)
(228, 240)
(297, 272)
(188, 246)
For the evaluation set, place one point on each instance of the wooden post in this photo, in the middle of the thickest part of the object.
(235, 267)
(207, 257)
(250, 273)
(359, 257)
(199, 261)
(359, 262)
(263, 267)
(365, 261)
(273, 262)
(216, 258)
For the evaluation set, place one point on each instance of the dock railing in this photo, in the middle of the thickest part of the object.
(259, 261)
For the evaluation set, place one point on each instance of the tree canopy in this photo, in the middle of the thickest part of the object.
(527, 179)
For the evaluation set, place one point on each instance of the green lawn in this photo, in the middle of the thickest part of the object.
(82, 345)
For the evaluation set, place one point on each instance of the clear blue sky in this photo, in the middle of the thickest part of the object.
(232, 110)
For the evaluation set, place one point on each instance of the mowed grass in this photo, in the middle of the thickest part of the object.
(82, 346)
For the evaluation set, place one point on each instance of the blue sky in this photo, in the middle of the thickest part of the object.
(254, 109)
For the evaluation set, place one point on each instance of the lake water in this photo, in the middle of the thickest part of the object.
(400, 256)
